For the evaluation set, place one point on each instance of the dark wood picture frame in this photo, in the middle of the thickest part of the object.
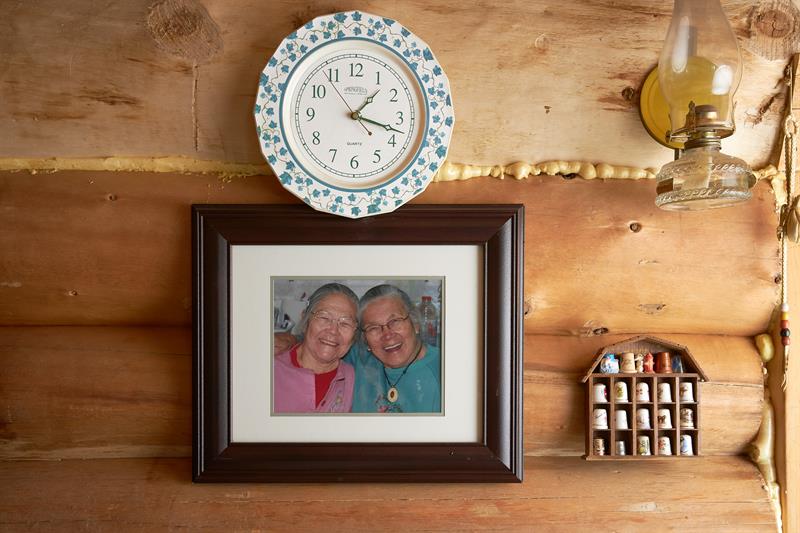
(498, 457)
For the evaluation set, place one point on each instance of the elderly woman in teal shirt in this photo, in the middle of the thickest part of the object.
(395, 371)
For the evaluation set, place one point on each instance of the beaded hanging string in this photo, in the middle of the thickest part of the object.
(788, 210)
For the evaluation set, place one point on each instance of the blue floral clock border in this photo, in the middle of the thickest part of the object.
(382, 198)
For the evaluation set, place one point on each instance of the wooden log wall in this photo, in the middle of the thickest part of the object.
(95, 301)
(91, 374)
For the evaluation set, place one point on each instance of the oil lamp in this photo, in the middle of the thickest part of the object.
(687, 104)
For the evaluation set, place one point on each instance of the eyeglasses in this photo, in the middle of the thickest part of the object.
(393, 325)
(325, 320)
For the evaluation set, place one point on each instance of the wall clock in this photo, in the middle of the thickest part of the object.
(354, 114)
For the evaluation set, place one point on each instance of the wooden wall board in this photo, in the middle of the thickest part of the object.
(531, 79)
(82, 79)
(585, 268)
(559, 494)
(89, 392)
(95, 392)
(105, 248)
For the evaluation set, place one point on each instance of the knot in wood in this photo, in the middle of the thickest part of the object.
(774, 29)
(774, 23)
(185, 29)
(629, 94)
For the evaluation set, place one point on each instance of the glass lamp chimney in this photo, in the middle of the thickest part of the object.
(700, 65)
(699, 71)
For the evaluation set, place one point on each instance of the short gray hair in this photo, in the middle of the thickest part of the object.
(319, 295)
(389, 291)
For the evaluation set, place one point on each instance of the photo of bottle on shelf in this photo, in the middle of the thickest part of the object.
(429, 317)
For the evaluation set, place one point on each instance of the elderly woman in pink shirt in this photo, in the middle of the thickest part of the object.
(310, 377)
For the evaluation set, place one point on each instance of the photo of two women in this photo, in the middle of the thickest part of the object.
(357, 345)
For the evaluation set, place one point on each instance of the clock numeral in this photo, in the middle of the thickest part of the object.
(310, 113)
(317, 91)
(392, 141)
(399, 118)
(333, 75)
(315, 138)
(334, 153)
(354, 162)
(394, 95)
(378, 75)
(356, 70)
(377, 154)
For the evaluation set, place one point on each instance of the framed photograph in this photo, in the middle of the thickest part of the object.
(386, 349)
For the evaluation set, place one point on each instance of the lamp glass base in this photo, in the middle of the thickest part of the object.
(698, 199)
(703, 178)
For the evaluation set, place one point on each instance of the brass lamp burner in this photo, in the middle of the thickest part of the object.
(702, 126)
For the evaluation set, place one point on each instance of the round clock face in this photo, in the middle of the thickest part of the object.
(354, 114)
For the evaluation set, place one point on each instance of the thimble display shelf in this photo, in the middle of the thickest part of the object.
(646, 392)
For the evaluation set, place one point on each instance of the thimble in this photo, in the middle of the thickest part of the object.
(642, 392)
(664, 393)
(620, 447)
(664, 419)
(686, 391)
(664, 446)
(600, 417)
(643, 418)
(687, 418)
(643, 447)
(686, 445)
(621, 419)
(663, 363)
(628, 365)
(621, 391)
(600, 392)
(599, 447)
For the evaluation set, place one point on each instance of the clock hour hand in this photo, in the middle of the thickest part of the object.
(368, 101)
(358, 116)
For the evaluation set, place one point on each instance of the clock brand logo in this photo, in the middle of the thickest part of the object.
(355, 90)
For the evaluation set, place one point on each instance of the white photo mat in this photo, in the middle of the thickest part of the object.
(251, 342)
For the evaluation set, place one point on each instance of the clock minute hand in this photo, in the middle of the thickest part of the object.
(387, 127)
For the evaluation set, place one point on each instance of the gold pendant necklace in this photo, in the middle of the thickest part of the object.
(393, 395)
